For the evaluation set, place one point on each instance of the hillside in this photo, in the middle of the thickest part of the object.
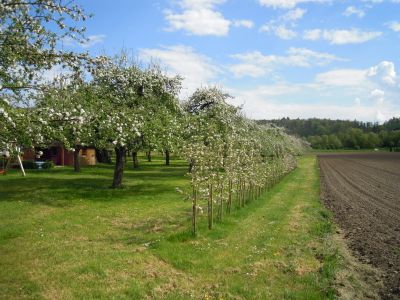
(341, 134)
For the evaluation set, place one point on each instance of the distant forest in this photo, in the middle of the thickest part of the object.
(341, 134)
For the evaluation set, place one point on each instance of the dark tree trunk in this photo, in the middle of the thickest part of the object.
(103, 156)
(5, 165)
(135, 160)
(167, 157)
(77, 159)
(149, 156)
(191, 164)
(119, 166)
(210, 208)
(194, 212)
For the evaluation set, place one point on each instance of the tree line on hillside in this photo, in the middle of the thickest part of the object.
(343, 134)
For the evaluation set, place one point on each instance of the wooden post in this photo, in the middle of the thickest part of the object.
(20, 162)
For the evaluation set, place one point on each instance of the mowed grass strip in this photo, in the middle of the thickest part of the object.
(66, 235)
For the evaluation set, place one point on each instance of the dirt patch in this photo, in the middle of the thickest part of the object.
(356, 280)
(363, 191)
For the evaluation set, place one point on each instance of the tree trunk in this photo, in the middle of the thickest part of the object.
(103, 156)
(119, 167)
(77, 159)
(210, 209)
(167, 157)
(135, 160)
(149, 156)
(221, 203)
(229, 204)
(5, 165)
(194, 212)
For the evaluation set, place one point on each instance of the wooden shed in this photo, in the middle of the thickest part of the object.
(60, 156)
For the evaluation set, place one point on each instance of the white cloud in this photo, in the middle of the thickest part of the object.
(289, 99)
(381, 76)
(189, 4)
(381, 118)
(352, 10)
(384, 72)
(312, 35)
(378, 95)
(334, 94)
(263, 102)
(266, 28)
(196, 69)
(287, 22)
(248, 69)
(286, 4)
(284, 33)
(374, 1)
(53, 73)
(90, 41)
(199, 21)
(341, 37)
(342, 77)
(294, 14)
(243, 23)
(93, 40)
(395, 26)
(200, 17)
(280, 31)
(255, 64)
(303, 57)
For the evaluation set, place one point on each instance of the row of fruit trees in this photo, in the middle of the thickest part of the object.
(113, 103)
(233, 159)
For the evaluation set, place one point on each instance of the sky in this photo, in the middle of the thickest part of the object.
(332, 59)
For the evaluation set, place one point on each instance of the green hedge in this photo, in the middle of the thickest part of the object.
(48, 165)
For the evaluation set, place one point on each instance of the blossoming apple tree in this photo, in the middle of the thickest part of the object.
(126, 97)
(29, 37)
(231, 157)
(67, 114)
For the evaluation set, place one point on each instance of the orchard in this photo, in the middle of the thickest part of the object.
(112, 103)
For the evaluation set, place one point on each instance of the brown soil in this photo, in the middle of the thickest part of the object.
(363, 192)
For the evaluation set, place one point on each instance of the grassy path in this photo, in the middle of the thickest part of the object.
(278, 247)
(65, 236)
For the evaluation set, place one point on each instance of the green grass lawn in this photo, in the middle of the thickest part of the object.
(66, 235)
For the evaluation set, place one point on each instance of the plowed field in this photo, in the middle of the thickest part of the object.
(363, 192)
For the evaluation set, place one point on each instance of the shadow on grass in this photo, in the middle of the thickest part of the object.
(61, 187)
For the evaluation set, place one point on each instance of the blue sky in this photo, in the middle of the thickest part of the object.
(278, 58)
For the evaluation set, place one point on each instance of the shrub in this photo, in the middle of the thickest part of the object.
(29, 164)
(48, 165)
